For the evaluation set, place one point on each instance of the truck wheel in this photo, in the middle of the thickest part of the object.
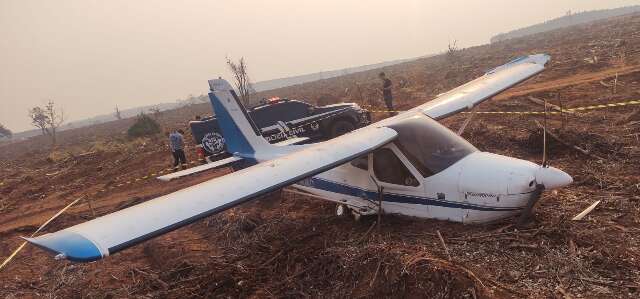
(341, 127)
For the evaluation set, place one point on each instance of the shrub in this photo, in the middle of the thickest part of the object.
(144, 126)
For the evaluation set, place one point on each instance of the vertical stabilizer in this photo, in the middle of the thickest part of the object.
(242, 136)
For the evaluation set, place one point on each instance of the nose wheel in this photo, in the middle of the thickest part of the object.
(527, 213)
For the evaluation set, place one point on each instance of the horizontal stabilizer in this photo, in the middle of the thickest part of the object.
(198, 169)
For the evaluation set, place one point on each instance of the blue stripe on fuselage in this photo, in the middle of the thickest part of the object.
(349, 190)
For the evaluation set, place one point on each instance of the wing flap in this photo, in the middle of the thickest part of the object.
(492, 83)
(119, 230)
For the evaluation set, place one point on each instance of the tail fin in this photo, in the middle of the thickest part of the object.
(241, 134)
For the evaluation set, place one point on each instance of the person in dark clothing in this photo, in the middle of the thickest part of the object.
(386, 91)
(176, 143)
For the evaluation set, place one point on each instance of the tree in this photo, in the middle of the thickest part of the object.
(243, 83)
(55, 118)
(118, 114)
(452, 51)
(156, 112)
(39, 119)
(144, 126)
(47, 118)
(4, 132)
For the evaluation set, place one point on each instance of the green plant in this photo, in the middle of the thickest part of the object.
(144, 126)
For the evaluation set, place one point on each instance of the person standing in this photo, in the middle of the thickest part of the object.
(176, 143)
(386, 92)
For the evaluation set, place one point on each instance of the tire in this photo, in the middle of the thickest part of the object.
(341, 211)
(341, 127)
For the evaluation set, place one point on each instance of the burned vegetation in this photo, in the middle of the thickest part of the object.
(288, 245)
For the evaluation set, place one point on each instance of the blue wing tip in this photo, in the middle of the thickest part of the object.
(69, 245)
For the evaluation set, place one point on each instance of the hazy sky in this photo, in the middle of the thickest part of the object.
(90, 56)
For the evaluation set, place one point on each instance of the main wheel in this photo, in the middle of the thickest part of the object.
(341, 210)
(356, 216)
(341, 127)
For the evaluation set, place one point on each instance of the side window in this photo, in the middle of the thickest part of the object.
(389, 169)
(361, 162)
(261, 118)
(294, 110)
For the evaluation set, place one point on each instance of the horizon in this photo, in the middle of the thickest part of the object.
(154, 53)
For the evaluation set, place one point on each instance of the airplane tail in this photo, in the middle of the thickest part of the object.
(242, 136)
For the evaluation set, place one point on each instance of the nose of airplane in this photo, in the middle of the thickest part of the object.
(552, 177)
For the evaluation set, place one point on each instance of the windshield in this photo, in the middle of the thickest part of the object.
(430, 146)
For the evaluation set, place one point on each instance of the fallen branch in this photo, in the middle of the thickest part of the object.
(368, 231)
(523, 246)
(586, 211)
(447, 264)
(604, 84)
(485, 236)
(375, 275)
(154, 277)
(271, 259)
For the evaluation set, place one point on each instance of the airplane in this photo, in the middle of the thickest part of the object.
(408, 164)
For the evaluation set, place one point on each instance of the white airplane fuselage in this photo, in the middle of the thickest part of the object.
(479, 188)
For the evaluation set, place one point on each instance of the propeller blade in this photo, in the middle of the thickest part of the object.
(527, 213)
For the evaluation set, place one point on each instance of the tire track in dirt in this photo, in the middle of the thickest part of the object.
(567, 81)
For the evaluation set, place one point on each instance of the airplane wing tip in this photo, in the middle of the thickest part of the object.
(68, 245)
(539, 59)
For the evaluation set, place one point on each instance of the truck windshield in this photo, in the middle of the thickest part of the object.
(430, 146)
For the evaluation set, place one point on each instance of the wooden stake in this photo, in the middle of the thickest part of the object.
(446, 249)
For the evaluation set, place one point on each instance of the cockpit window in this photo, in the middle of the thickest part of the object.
(429, 146)
(389, 169)
(361, 162)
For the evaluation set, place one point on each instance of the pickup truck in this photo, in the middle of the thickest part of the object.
(284, 119)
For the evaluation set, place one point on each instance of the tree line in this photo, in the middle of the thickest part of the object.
(569, 19)
(49, 118)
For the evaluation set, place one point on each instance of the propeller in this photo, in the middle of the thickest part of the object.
(546, 177)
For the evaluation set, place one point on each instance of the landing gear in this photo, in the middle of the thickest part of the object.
(343, 211)
(356, 216)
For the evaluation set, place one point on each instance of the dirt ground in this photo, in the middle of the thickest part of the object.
(286, 245)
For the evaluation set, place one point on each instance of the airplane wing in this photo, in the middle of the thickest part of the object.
(106, 235)
(492, 83)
